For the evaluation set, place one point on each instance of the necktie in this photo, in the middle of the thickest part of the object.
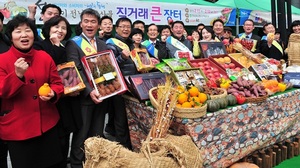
(92, 41)
(247, 37)
(153, 44)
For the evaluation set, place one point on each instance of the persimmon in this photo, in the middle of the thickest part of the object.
(44, 90)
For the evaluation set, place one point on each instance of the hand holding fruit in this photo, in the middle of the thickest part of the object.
(45, 92)
(21, 67)
(101, 33)
(270, 37)
(163, 38)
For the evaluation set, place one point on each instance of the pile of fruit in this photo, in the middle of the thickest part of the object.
(190, 97)
(243, 60)
(226, 63)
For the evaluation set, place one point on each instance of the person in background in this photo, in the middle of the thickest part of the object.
(268, 45)
(248, 34)
(48, 11)
(106, 28)
(228, 34)
(295, 27)
(139, 24)
(195, 43)
(200, 26)
(56, 30)
(159, 45)
(165, 31)
(218, 27)
(92, 109)
(177, 32)
(207, 34)
(4, 46)
(28, 122)
(121, 45)
(137, 35)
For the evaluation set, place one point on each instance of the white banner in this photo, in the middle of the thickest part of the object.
(149, 12)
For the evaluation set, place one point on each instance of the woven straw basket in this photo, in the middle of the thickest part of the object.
(190, 112)
(152, 99)
(293, 49)
(169, 152)
(256, 99)
(220, 95)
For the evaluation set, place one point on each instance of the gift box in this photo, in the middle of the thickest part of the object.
(184, 54)
(141, 59)
(189, 76)
(142, 83)
(292, 77)
(261, 71)
(104, 74)
(212, 48)
(70, 77)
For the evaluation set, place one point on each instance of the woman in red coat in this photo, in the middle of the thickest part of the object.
(27, 120)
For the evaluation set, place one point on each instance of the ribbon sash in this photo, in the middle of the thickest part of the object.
(150, 48)
(177, 44)
(274, 43)
(84, 45)
(118, 43)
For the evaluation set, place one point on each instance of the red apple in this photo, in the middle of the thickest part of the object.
(237, 69)
(206, 63)
(215, 70)
(210, 75)
(170, 20)
(190, 38)
(200, 63)
(209, 71)
(237, 40)
(225, 41)
(226, 66)
(217, 74)
(232, 65)
(194, 64)
(207, 67)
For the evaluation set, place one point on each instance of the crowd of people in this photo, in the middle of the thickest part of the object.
(36, 129)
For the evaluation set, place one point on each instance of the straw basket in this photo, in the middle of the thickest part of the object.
(220, 95)
(190, 112)
(293, 49)
(256, 99)
(152, 99)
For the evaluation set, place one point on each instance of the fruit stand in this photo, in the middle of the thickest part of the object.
(230, 134)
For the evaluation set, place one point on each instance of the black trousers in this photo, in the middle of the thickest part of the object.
(120, 123)
(93, 117)
(3, 154)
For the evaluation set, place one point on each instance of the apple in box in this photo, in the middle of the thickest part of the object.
(231, 65)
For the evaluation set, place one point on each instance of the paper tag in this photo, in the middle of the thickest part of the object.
(109, 76)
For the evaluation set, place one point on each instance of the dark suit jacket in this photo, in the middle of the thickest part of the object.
(270, 52)
(4, 45)
(75, 53)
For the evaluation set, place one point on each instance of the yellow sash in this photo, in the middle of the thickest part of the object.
(84, 45)
(278, 46)
(118, 43)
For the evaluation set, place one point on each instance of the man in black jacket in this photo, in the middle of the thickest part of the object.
(248, 34)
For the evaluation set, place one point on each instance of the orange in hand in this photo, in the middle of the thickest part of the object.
(44, 90)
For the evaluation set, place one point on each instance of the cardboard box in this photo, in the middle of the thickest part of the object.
(293, 77)
(104, 74)
(70, 77)
(212, 48)
(142, 83)
(189, 76)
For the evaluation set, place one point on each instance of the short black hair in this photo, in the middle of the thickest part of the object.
(177, 21)
(267, 24)
(228, 29)
(250, 21)
(54, 21)
(200, 24)
(90, 11)
(218, 20)
(136, 31)
(164, 27)
(138, 22)
(294, 23)
(152, 24)
(123, 19)
(1, 16)
(18, 21)
(105, 17)
(78, 29)
(45, 7)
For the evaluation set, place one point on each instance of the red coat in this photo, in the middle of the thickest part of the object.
(28, 116)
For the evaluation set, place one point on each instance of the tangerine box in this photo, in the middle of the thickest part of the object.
(70, 77)
(104, 74)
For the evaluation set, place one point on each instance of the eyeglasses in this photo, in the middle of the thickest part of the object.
(125, 27)
(228, 32)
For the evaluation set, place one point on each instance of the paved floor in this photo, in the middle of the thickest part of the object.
(108, 136)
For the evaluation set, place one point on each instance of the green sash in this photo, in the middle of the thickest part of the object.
(177, 44)
(39, 31)
(84, 45)
(150, 48)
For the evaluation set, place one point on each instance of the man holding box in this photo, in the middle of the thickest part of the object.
(92, 109)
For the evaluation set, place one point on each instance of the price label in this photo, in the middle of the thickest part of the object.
(109, 76)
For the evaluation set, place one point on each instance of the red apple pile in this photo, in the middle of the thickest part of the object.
(212, 73)
(226, 63)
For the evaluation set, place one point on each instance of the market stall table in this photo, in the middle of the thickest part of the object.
(229, 134)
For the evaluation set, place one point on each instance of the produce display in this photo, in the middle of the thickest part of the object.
(189, 76)
(243, 60)
(104, 74)
(70, 77)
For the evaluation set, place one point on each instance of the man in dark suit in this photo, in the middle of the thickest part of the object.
(92, 109)
(248, 34)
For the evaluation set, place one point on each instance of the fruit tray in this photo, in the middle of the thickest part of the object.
(225, 62)
(209, 68)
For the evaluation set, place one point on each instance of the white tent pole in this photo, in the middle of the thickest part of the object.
(237, 22)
